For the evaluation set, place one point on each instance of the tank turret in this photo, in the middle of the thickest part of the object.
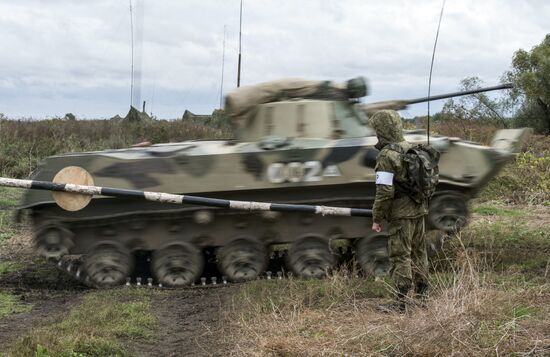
(295, 108)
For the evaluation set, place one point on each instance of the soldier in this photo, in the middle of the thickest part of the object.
(405, 216)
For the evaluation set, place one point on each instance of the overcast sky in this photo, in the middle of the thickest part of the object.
(61, 56)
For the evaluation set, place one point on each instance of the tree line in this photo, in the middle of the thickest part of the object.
(525, 105)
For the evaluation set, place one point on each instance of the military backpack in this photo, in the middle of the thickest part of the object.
(421, 163)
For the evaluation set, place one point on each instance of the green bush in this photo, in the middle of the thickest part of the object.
(524, 181)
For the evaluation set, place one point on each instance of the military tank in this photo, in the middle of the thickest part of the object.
(296, 141)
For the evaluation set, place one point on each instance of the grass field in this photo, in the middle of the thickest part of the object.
(93, 328)
(26, 142)
(490, 284)
(490, 296)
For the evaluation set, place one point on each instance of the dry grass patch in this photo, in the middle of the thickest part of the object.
(26, 142)
(297, 317)
(469, 313)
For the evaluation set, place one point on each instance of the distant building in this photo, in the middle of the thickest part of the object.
(135, 115)
(189, 115)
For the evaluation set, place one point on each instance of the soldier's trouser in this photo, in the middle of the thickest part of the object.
(407, 252)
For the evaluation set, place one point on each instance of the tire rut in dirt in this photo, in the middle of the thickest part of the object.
(40, 276)
(188, 322)
(48, 307)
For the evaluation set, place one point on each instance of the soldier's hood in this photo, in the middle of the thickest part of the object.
(388, 126)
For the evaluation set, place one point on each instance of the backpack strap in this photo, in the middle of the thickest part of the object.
(400, 190)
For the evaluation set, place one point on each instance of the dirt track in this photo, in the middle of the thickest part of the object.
(51, 294)
(189, 323)
(48, 307)
(188, 318)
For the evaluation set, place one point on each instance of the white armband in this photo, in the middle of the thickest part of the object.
(384, 178)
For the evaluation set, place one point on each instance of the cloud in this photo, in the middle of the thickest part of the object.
(66, 56)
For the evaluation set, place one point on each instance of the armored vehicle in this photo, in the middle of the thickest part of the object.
(296, 141)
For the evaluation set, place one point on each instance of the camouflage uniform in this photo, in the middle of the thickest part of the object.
(407, 244)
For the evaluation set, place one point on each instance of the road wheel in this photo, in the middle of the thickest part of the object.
(53, 241)
(242, 259)
(108, 265)
(372, 254)
(448, 212)
(177, 264)
(311, 257)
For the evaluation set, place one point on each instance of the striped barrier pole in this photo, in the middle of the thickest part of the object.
(181, 199)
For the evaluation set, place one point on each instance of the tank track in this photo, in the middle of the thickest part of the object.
(210, 237)
(74, 269)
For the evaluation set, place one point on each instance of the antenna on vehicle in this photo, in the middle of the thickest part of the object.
(137, 13)
(432, 66)
(132, 45)
(240, 38)
(223, 64)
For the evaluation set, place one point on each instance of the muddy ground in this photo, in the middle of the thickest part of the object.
(189, 324)
(189, 319)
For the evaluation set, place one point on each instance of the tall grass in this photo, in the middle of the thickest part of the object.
(470, 314)
(23, 143)
(473, 310)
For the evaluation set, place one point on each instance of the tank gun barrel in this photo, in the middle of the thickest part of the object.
(182, 199)
(372, 108)
(459, 94)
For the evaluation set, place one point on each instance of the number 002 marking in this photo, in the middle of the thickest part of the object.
(309, 171)
(276, 172)
(312, 171)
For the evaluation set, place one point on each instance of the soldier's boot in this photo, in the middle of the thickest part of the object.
(421, 293)
(400, 303)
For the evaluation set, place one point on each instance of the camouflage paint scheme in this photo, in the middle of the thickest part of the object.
(407, 253)
(218, 166)
(322, 168)
(294, 150)
(406, 239)
(387, 205)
